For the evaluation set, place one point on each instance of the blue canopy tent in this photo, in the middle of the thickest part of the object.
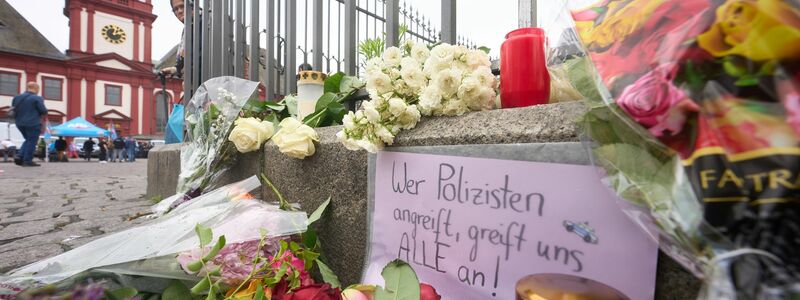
(78, 127)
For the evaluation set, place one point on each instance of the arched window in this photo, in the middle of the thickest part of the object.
(161, 111)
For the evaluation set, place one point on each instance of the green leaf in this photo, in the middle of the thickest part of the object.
(350, 84)
(259, 293)
(201, 286)
(310, 238)
(204, 233)
(216, 271)
(274, 105)
(328, 275)
(294, 246)
(336, 112)
(291, 104)
(333, 82)
(401, 282)
(214, 250)
(213, 112)
(318, 212)
(176, 291)
(748, 80)
(485, 49)
(122, 293)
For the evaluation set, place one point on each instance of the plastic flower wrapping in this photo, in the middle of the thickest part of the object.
(159, 248)
(700, 124)
(210, 117)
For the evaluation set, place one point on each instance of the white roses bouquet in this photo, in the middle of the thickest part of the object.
(411, 81)
(295, 139)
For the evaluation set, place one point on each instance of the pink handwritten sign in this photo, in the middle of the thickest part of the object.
(482, 228)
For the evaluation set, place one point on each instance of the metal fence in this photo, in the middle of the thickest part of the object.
(224, 37)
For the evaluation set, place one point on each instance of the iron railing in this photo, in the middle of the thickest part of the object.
(327, 38)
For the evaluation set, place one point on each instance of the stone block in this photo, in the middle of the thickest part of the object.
(20, 257)
(163, 168)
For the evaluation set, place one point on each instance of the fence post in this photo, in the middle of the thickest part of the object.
(197, 31)
(188, 52)
(216, 32)
(527, 13)
(449, 21)
(317, 42)
(255, 48)
(240, 41)
(392, 23)
(350, 46)
(207, 39)
(291, 46)
(227, 38)
(270, 70)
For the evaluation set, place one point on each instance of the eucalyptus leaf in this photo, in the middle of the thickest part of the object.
(176, 291)
(328, 275)
(204, 233)
(401, 282)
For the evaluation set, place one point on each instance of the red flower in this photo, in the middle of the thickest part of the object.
(322, 291)
(427, 292)
(662, 39)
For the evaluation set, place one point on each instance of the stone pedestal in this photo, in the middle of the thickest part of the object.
(342, 175)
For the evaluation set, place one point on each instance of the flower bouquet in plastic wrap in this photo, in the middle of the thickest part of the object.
(210, 118)
(700, 125)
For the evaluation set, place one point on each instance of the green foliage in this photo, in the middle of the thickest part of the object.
(176, 291)
(204, 234)
(400, 282)
(318, 212)
(328, 275)
(121, 293)
(485, 49)
(330, 109)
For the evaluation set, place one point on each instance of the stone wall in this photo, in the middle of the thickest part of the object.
(342, 174)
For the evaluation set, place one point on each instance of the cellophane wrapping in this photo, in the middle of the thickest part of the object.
(694, 115)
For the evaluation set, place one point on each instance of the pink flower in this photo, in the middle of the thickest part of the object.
(427, 292)
(789, 92)
(296, 264)
(655, 103)
(235, 260)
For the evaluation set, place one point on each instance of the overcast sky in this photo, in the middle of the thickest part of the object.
(485, 22)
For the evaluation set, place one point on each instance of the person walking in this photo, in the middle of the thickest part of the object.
(130, 148)
(103, 154)
(9, 149)
(28, 111)
(119, 149)
(61, 149)
(88, 148)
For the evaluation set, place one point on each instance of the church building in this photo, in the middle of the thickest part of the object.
(106, 75)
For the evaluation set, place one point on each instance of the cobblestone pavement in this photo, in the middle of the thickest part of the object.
(47, 210)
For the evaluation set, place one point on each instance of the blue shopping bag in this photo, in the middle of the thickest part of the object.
(174, 130)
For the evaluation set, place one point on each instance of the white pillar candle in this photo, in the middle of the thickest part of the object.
(310, 86)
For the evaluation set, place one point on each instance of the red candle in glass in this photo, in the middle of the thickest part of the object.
(524, 80)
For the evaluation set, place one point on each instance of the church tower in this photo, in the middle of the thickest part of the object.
(111, 26)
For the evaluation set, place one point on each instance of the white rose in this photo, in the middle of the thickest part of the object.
(477, 58)
(295, 139)
(372, 115)
(409, 63)
(374, 64)
(459, 52)
(384, 134)
(487, 98)
(407, 45)
(414, 78)
(484, 75)
(454, 108)
(448, 81)
(379, 81)
(249, 133)
(392, 56)
(420, 53)
(409, 118)
(371, 147)
(397, 106)
(469, 91)
(430, 99)
(348, 143)
(442, 53)
(348, 121)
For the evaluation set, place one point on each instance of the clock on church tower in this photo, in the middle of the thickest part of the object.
(101, 26)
